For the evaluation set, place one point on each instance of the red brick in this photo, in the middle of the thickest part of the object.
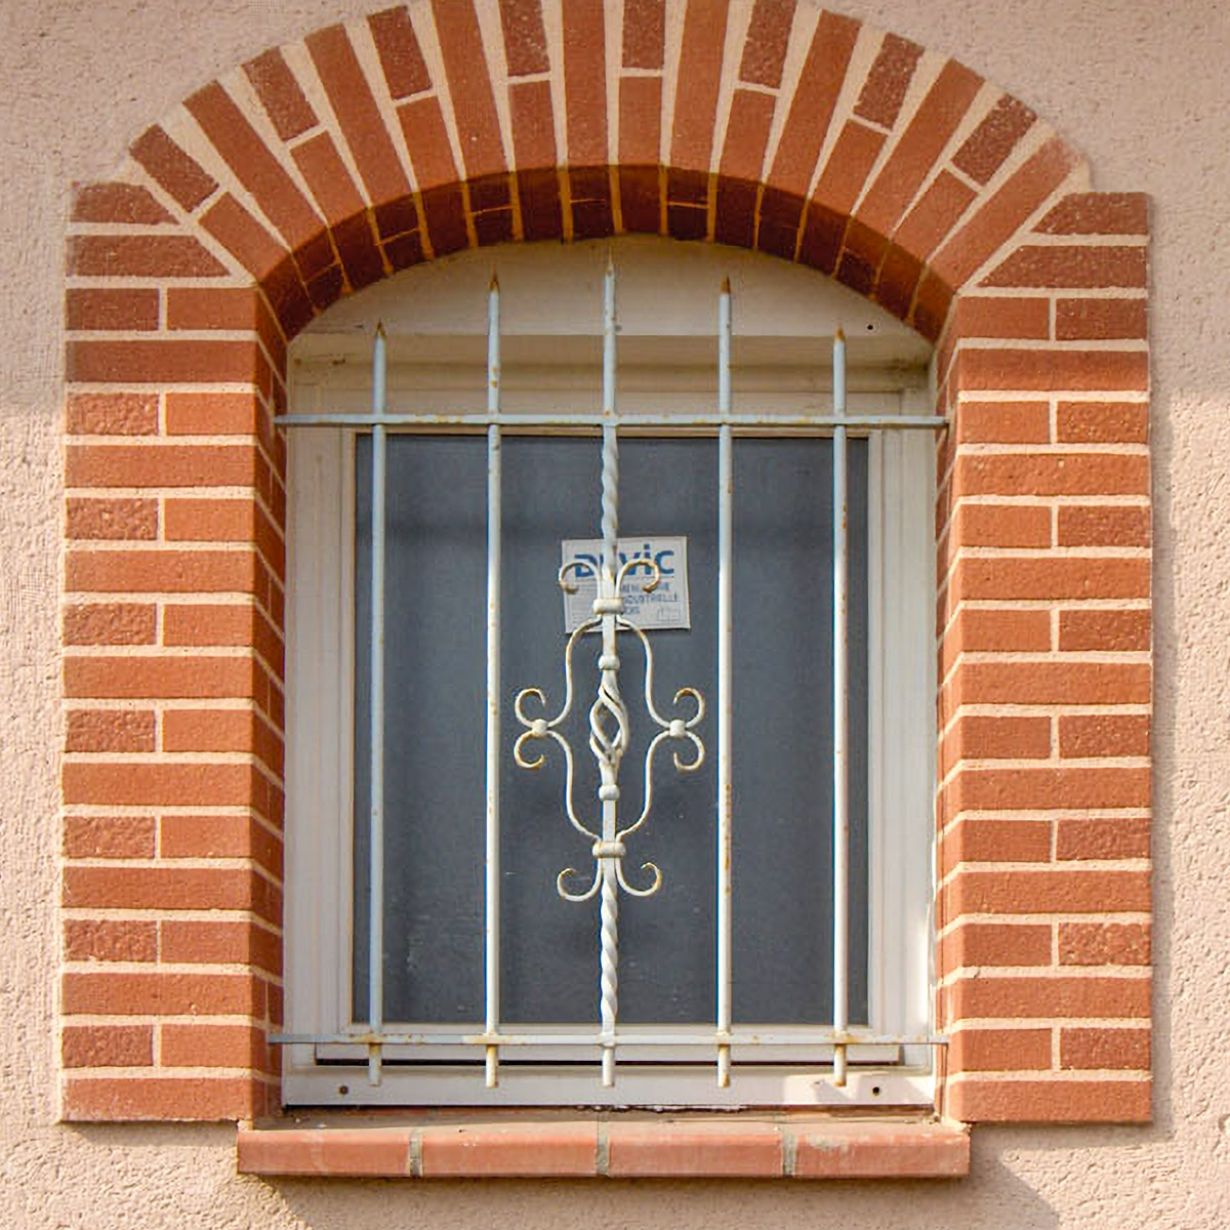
(219, 837)
(1050, 1101)
(112, 414)
(889, 78)
(747, 134)
(585, 82)
(986, 149)
(1103, 734)
(700, 68)
(1005, 1050)
(158, 677)
(213, 414)
(405, 71)
(1047, 892)
(768, 36)
(991, 631)
(166, 1099)
(812, 103)
(158, 362)
(1105, 525)
(1071, 265)
(109, 837)
(525, 40)
(280, 94)
(357, 113)
(1099, 213)
(221, 624)
(469, 80)
(221, 730)
(730, 1150)
(243, 237)
(106, 939)
(1096, 422)
(167, 888)
(141, 256)
(213, 1046)
(220, 943)
(121, 465)
(1104, 1049)
(107, 623)
(1103, 319)
(931, 220)
(164, 783)
(922, 142)
(107, 1046)
(1067, 577)
(1048, 998)
(493, 1150)
(1052, 474)
(995, 944)
(109, 730)
(1123, 631)
(194, 307)
(1122, 837)
(253, 164)
(161, 571)
(328, 178)
(980, 316)
(1104, 944)
(997, 219)
(644, 33)
(179, 174)
(111, 309)
(115, 202)
(1052, 370)
(352, 1152)
(1001, 525)
(113, 519)
(994, 841)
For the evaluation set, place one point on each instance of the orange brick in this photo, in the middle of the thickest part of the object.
(221, 730)
(109, 837)
(995, 841)
(732, 1149)
(1072, 265)
(1009, 422)
(220, 837)
(1047, 998)
(1104, 943)
(1103, 734)
(1050, 1101)
(1126, 837)
(1097, 422)
(158, 362)
(100, 309)
(213, 1046)
(160, 678)
(110, 730)
(1052, 474)
(364, 1152)
(166, 1099)
(1047, 892)
(220, 943)
(107, 1046)
(1007, 1050)
(163, 783)
(221, 624)
(997, 738)
(1104, 1048)
(106, 939)
(166, 888)
(995, 944)
(141, 256)
(112, 414)
(109, 624)
(213, 414)
(1098, 213)
(1001, 525)
(1083, 631)
(1104, 526)
(491, 1150)
(164, 465)
(162, 994)
(1006, 631)
(112, 518)
(161, 570)
(1103, 319)
(1050, 683)
(1062, 577)
(980, 316)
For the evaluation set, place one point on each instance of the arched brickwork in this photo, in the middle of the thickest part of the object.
(320, 167)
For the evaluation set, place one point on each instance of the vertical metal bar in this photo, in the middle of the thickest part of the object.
(725, 502)
(841, 714)
(491, 927)
(375, 923)
(609, 664)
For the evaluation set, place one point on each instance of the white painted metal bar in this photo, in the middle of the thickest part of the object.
(631, 1037)
(491, 917)
(806, 422)
(724, 672)
(375, 925)
(609, 665)
(841, 713)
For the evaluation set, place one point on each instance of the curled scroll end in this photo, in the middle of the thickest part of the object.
(566, 874)
(690, 766)
(700, 704)
(519, 756)
(569, 587)
(653, 887)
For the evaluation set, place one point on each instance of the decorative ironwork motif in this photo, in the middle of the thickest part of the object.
(609, 718)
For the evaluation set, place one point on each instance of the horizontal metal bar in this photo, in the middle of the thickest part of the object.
(868, 422)
(822, 1037)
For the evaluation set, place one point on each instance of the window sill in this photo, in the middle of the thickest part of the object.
(440, 1146)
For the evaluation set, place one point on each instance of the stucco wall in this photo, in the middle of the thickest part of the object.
(1143, 93)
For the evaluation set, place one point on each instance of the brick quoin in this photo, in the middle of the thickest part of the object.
(193, 265)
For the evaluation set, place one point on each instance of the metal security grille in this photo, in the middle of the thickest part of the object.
(610, 833)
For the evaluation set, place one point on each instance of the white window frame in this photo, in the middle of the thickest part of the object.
(319, 870)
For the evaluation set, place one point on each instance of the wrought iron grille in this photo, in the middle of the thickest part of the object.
(610, 716)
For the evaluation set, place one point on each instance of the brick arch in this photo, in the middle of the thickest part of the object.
(323, 166)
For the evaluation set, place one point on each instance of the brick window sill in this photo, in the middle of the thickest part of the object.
(441, 1146)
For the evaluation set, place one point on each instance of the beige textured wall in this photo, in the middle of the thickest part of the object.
(1144, 91)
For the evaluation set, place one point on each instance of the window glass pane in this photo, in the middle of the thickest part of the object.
(435, 608)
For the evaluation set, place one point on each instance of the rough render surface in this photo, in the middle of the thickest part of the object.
(1143, 93)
